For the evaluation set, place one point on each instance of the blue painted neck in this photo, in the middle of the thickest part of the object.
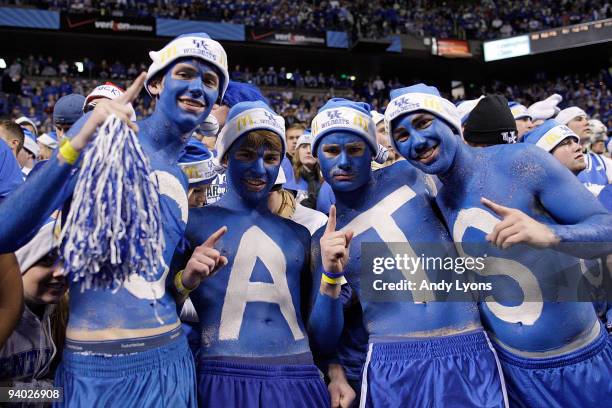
(232, 200)
(162, 136)
(464, 158)
(355, 199)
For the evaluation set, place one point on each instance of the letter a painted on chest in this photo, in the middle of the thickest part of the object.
(256, 244)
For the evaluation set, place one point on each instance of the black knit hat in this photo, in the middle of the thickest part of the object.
(491, 122)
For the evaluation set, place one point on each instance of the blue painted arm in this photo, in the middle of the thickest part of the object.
(29, 206)
(326, 317)
(581, 216)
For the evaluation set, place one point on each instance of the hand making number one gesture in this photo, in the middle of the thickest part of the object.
(517, 227)
(106, 107)
(205, 261)
(334, 245)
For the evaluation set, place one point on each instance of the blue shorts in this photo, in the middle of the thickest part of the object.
(455, 371)
(163, 376)
(582, 378)
(225, 384)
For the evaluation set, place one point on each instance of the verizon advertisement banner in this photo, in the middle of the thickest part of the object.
(96, 24)
(286, 37)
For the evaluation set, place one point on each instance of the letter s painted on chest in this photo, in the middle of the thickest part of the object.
(527, 312)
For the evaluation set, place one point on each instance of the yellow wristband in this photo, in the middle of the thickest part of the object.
(68, 152)
(331, 281)
(178, 284)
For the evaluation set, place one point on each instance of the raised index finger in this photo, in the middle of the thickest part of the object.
(498, 209)
(212, 240)
(331, 220)
(134, 90)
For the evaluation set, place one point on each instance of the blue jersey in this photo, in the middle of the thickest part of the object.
(253, 306)
(528, 179)
(395, 207)
(594, 176)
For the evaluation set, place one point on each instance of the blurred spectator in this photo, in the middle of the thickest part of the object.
(12, 133)
(66, 112)
(10, 173)
(29, 153)
(292, 135)
(307, 173)
(47, 143)
(29, 351)
(28, 124)
(521, 119)
(281, 202)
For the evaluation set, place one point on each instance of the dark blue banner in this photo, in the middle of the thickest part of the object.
(167, 27)
(28, 18)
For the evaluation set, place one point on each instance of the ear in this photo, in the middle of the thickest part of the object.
(156, 86)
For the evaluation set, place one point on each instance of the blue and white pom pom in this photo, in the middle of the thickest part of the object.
(114, 225)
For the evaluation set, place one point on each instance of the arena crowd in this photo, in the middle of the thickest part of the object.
(482, 20)
(172, 236)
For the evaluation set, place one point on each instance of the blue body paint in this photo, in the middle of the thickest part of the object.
(137, 304)
(253, 306)
(531, 180)
(10, 174)
(400, 208)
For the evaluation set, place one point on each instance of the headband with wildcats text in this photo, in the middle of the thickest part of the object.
(554, 136)
(195, 45)
(248, 121)
(201, 172)
(413, 102)
(343, 118)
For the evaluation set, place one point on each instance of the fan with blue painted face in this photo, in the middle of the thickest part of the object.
(253, 307)
(134, 321)
(392, 205)
(493, 199)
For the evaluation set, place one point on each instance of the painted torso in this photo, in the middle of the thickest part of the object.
(252, 306)
(511, 175)
(138, 306)
(396, 208)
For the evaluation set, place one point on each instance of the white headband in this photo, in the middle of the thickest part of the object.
(206, 49)
(248, 121)
(343, 118)
(412, 102)
(554, 136)
(197, 172)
